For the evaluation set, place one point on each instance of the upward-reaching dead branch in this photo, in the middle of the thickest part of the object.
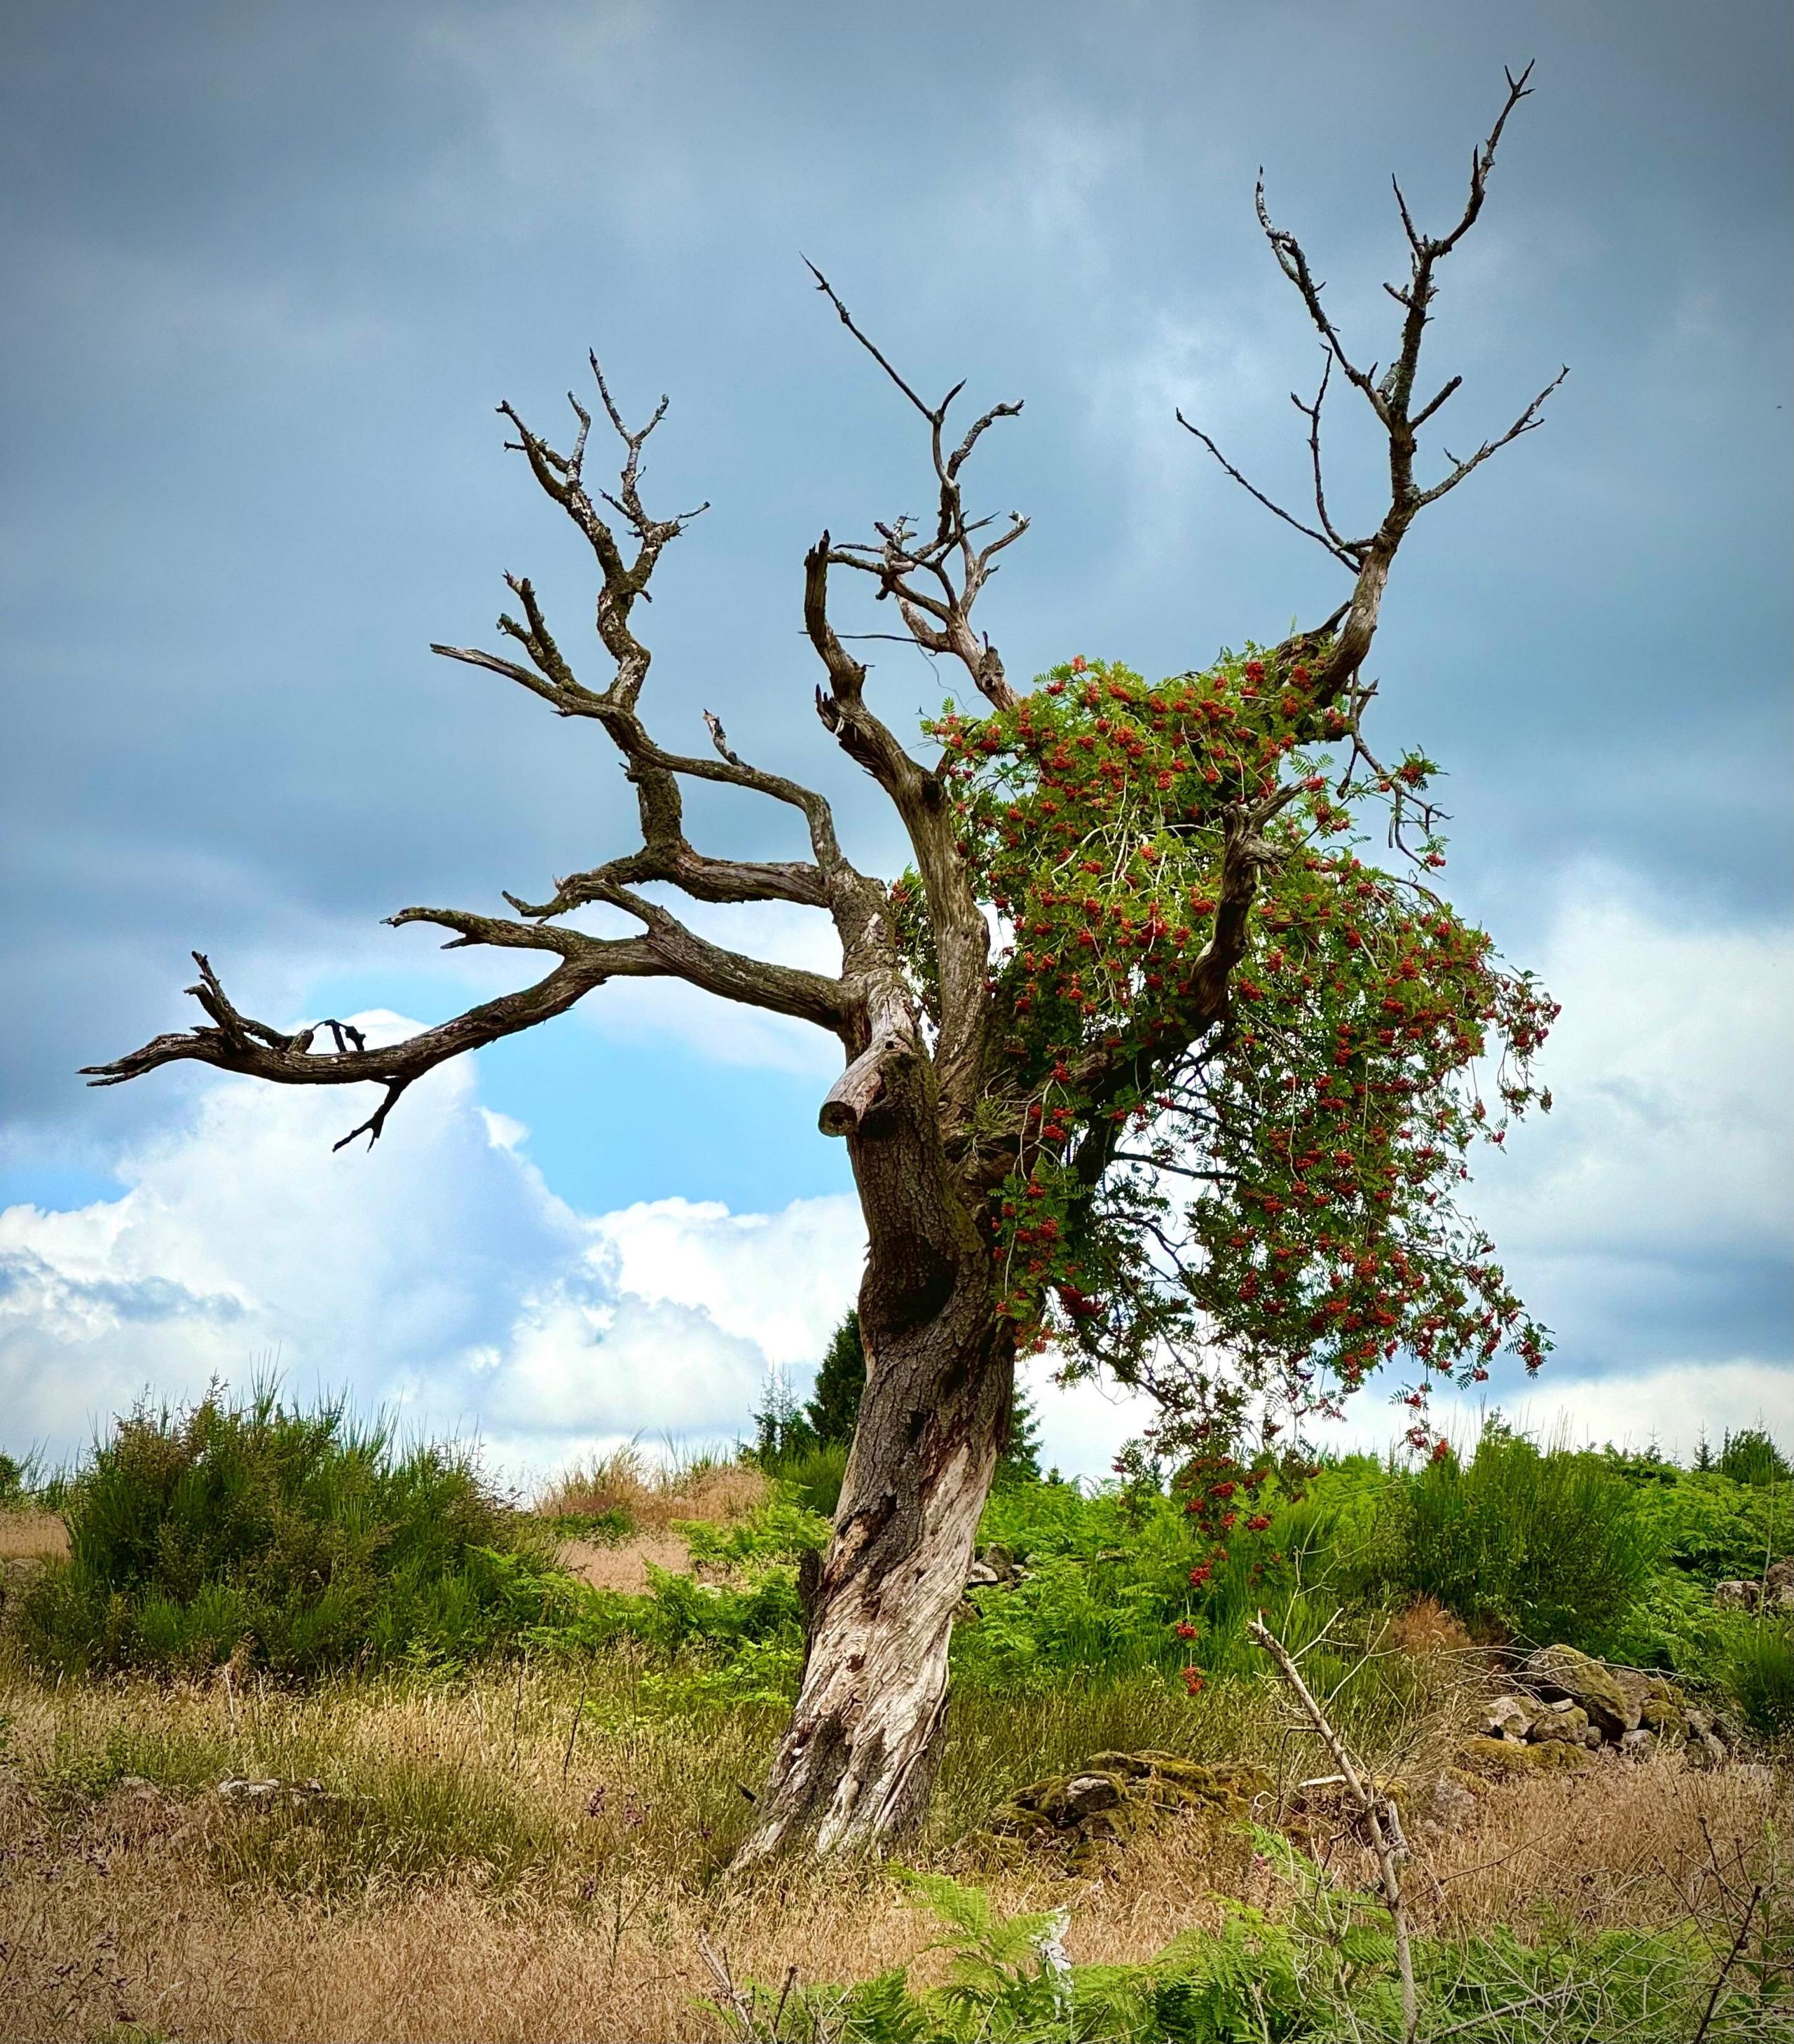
(1391, 399)
(919, 571)
(1382, 1820)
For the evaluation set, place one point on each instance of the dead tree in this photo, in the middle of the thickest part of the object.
(934, 1112)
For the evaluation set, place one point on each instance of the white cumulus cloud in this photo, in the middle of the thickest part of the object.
(439, 1273)
(436, 1273)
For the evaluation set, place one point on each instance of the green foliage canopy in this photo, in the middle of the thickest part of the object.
(1279, 1193)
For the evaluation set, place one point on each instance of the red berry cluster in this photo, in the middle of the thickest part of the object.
(1274, 1201)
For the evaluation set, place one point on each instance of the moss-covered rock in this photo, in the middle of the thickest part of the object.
(1662, 1708)
(1664, 1716)
(1562, 1674)
(1565, 1720)
(1508, 1717)
(1115, 1795)
(1501, 1760)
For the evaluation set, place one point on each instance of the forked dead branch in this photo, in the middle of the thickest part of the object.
(1193, 982)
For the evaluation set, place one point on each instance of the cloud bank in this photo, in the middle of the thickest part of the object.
(441, 1274)
(438, 1274)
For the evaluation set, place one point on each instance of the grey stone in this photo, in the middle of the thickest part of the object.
(1562, 1672)
(1506, 1718)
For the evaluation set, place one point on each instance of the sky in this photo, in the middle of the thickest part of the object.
(270, 270)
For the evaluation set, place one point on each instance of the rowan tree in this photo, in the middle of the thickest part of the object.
(1144, 1059)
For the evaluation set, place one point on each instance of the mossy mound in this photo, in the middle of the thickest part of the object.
(1115, 1796)
(1504, 1759)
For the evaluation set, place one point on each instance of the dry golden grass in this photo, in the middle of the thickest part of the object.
(1425, 1626)
(653, 1495)
(32, 1535)
(123, 1904)
(477, 1876)
(622, 1566)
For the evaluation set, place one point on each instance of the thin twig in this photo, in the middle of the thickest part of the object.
(1731, 1961)
(573, 1729)
(740, 2005)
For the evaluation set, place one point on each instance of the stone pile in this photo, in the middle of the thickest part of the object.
(1564, 1705)
(1114, 1795)
(1774, 1593)
(994, 1566)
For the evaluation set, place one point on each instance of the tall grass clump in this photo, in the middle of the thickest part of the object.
(627, 1492)
(1757, 1666)
(304, 1540)
(814, 1473)
(1537, 1546)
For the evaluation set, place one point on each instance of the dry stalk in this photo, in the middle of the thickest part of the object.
(1382, 1819)
(734, 1998)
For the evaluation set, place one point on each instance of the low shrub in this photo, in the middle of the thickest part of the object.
(1751, 1457)
(13, 1492)
(1530, 1545)
(301, 1540)
(813, 1474)
(1757, 1665)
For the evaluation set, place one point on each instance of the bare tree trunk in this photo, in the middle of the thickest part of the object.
(858, 1761)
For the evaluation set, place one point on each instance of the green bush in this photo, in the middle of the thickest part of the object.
(1751, 1457)
(306, 1539)
(814, 1475)
(1537, 1546)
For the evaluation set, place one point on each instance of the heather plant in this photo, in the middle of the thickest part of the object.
(1533, 1546)
(303, 1540)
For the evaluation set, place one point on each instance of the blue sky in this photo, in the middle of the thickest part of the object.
(272, 268)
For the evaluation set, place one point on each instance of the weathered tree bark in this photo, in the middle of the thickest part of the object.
(858, 1761)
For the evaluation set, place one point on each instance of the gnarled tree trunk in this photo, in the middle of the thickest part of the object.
(858, 1760)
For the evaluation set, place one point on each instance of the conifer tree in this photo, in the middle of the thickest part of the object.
(833, 1410)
